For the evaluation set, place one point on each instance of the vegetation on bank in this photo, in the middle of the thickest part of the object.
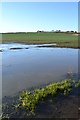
(29, 100)
(61, 39)
(77, 85)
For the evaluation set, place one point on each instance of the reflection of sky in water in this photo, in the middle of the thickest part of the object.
(23, 69)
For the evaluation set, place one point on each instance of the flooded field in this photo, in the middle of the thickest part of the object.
(30, 66)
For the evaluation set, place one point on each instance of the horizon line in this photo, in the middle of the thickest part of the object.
(42, 31)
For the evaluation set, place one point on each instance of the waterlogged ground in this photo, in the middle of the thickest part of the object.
(33, 66)
(58, 106)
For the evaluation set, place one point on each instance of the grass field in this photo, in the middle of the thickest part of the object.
(61, 39)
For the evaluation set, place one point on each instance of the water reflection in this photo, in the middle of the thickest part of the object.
(33, 67)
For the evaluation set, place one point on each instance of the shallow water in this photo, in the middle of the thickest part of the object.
(33, 67)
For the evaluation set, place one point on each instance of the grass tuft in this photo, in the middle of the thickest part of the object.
(29, 100)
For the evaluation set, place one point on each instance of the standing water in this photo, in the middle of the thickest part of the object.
(29, 66)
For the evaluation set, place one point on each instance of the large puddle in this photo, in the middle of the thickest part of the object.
(32, 66)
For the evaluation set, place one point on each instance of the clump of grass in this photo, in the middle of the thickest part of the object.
(3, 117)
(29, 100)
(77, 85)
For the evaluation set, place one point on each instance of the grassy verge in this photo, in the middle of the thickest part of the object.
(61, 39)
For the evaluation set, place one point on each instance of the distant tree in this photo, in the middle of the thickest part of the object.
(58, 31)
(52, 31)
(67, 31)
(72, 31)
(40, 31)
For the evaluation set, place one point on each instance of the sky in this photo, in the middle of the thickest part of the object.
(33, 16)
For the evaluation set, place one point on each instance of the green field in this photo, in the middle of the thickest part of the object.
(61, 39)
